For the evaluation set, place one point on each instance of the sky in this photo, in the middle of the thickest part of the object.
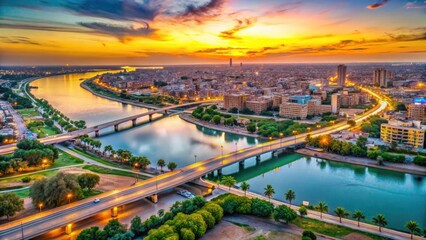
(162, 32)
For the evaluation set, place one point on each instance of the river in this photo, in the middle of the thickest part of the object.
(400, 197)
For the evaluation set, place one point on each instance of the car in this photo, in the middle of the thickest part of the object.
(96, 200)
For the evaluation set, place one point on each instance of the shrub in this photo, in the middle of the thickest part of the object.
(309, 234)
(419, 160)
(26, 179)
(261, 208)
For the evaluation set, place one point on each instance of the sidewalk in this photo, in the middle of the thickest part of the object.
(386, 232)
(399, 167)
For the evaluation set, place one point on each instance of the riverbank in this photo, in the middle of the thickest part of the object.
(398, 167)
(188, 118)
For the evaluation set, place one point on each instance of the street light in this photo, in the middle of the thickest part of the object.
(136, 165)
(195, 157)
(236, 150)
(281, 139)
(44, 163)
(295, 135)
(69, 195)
(40, 205)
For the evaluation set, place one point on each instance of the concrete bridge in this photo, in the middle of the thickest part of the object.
(96, 129)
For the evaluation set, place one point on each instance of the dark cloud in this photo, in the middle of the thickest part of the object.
(240, 25)
(262, 51)
(18, 40)
(378, 4)
(220, 50)
(408, 37)
(131, 10)
(205, 9)
(40, 27)
(122, 32)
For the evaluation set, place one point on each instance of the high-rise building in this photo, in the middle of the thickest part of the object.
(381, 77)
(335, 103)
(410, 133)
(341, 75)
(417, 111)
(230, 62)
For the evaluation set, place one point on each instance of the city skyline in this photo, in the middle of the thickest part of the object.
(210, 32)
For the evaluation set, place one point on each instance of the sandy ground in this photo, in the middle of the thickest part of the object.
(356, 236)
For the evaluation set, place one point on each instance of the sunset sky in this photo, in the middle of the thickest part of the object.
(140, 32)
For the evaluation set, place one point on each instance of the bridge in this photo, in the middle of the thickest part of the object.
(63, 137)
(66, 215)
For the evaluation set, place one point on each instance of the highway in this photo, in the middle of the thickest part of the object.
(75, 134)
(40, 223)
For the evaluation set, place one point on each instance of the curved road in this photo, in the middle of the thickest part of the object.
(59, 217)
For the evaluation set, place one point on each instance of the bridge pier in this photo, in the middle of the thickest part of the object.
(116, 127)
(257, 159)
(154, 198)
(68, 229)
(97, 133)
(150, 117)
(241, 164)
(114, 212)
(134, 122)
(219, 172)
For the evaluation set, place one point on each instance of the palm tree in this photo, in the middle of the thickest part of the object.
(113, 152)
(269, 191)
(171, 166)
(245, 186)
(380, 221)
(358, 216)
(161, 163)
(341, 213)
(290, 195)
(107, 148)
(413, 227)
(322, 207)
(228, 181)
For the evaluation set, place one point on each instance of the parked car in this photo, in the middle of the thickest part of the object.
(96, 200)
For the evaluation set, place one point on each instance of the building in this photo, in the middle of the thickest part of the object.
(335, 103)
(316, 108)
(294, 110)
(258, 106)
(230, 62)
(302, 99)
(381, 77)
(234, 101)
(417, 111)
(410, 133)
(341, 75)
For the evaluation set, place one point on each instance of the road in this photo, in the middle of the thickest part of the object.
(71, 135)
(77, 211)
(17, 119)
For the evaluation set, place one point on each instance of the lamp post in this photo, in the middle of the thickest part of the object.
(136, 165)
(236, 150)
(270, 145)
(281, 139)
(44, 163)
(222, 152)
(295, 135)
(40, 205)
(195, 158)
(69, 195)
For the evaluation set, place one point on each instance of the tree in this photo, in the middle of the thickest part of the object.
(136, 226)
(283, 212)
(114, 227)
(251, 127)
(380, 221)
(352, 123)
(245, 187)
(186, 234)
(54, 191)
(10, 204)
(161, 163)
(216, 119)
(171, 166)
(309, 234)
(379, 160)
(358, 216)
(290, 195)
(341, 213)
(303, 211)
(361, 142)
(215, 210)
(413, 227)
(163, 232)
(261, 208)
(92, 233)
(107, 148)
(269, 191)
(88, 180)
(208, 218)
(322, 208)
(229, 181)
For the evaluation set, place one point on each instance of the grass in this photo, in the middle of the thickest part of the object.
(23, 193)
(245, 226)
(44, 131)
(65, 159)
(98, 159)
(328, 228)
(28, 112)
(33, 176)
(102, 170)
(91, 193)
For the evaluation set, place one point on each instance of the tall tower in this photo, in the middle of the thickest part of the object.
(381, 77)
(341, 75)
(335, 103)
(230, 62)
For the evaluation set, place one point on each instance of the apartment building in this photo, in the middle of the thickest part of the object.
(410, 133)
(417, 111)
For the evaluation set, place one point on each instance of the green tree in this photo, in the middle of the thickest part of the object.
(161, 163)
(361, 142)
(186, 234)
(114, 227)
(269, 191)
(91, 234)
(352, 123)
(216, 119)
(261, 208)
(88, 180)
(283, 212)
(341, 213)
(228, 181)
(379, 160)
(309, 235)
(171, 166)
(251, 127)
(322, 208)
(208, 218)
(107, 148)
(10, 204)
(413, 227)
(290, 195)
(163, 232)
(358, 215)
(136, 225)
(303, 211)
(245, 187)
(215, 210)
(380, 221)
